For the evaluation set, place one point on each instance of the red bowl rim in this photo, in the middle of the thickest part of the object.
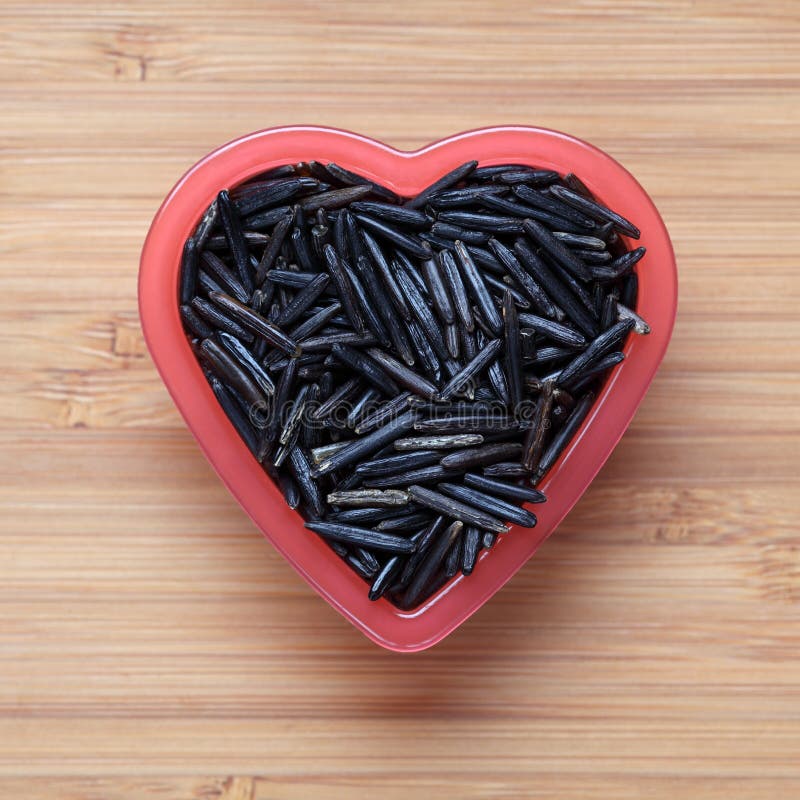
(405, 172)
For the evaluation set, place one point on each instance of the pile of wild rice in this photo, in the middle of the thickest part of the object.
(407, 370)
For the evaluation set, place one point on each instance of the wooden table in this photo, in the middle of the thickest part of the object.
(153, 645)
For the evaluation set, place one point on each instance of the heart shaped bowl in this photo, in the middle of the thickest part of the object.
(406, 173)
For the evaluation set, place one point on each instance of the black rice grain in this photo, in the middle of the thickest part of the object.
(455, 509)
(445, 182)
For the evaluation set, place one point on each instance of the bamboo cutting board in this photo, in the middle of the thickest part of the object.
(153, 645)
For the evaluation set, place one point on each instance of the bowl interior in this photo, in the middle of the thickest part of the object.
(405, 173)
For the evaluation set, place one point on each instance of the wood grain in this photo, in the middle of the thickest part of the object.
(153, 645)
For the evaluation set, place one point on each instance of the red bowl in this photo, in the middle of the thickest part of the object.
(405, 173)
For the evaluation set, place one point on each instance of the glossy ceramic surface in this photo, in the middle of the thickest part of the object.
(406, 173)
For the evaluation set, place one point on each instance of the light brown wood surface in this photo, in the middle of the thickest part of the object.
(152, 644)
